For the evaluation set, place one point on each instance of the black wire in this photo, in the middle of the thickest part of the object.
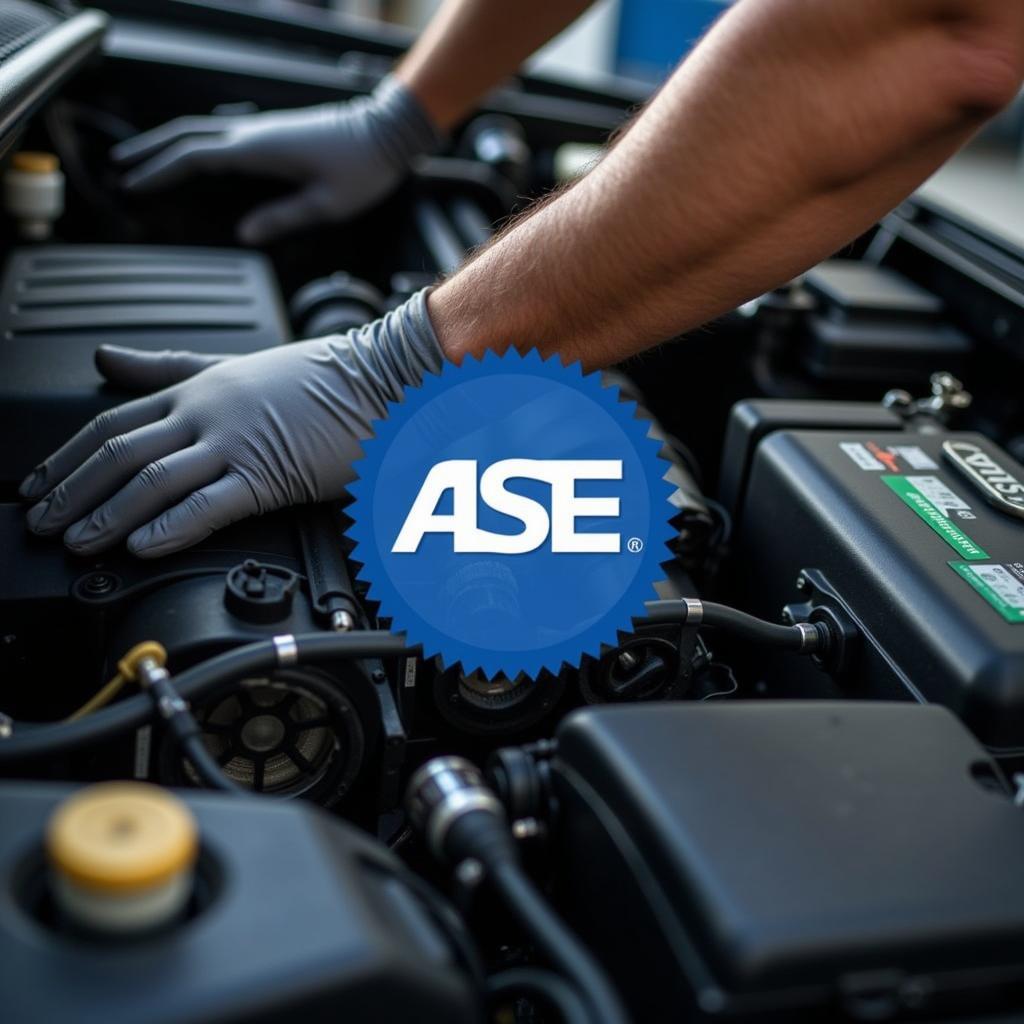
(728, 673)
(34, 740)
(547, 986)
(557, 943)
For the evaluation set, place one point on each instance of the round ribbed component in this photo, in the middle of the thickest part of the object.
(122, 855)
(293, 734)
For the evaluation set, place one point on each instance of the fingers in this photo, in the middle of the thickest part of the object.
(136, 370)
(280, 217)
(147, 143)
(117, 461)
(225, 501)
(109, 424)
(156, 487)
(177, 162)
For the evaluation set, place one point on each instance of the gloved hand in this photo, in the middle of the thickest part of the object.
(343, 156)
(232, 438)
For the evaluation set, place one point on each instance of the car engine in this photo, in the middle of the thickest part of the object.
(791, 793)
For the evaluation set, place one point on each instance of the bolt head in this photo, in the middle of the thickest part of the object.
(99, 583)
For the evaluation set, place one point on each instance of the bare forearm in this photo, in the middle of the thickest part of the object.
(791, 129)
(471, 45)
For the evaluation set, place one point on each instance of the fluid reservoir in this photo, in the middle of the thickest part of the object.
(121, 857)
(34, 193)
(295, 915)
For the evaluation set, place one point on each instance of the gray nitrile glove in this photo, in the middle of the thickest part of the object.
(343, 156)
(242, 436)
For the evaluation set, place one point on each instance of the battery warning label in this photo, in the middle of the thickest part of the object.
(1001, 585)
(914, 456)
(860, 454)
(894, 458)
(937, 505)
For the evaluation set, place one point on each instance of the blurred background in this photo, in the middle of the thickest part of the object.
(639, 39)
(644, 39)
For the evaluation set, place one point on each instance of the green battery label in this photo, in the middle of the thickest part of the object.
(934, 502)
(1001, 585)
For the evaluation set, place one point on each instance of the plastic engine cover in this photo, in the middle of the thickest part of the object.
(58, 302)
(857, 859)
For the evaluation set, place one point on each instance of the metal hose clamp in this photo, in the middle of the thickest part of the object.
(694, 611)
(287, 649)
(810, 638)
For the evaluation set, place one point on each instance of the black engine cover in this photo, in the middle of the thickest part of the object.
(850, 858)
(59, 302)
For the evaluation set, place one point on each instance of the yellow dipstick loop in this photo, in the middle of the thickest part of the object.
(128, 666)
(127, 672)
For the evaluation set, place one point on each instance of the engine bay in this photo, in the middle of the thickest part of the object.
(790, 793)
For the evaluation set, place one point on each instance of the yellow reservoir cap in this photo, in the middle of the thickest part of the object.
(121, 837)
(32, 162)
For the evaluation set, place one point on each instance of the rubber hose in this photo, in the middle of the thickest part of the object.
(731, 620)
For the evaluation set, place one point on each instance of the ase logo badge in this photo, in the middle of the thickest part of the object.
(511, 514)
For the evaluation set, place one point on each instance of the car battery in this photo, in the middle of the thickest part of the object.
(914, 543)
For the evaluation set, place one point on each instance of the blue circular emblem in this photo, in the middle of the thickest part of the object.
(511, 514)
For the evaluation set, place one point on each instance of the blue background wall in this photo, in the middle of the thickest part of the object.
(654, 34)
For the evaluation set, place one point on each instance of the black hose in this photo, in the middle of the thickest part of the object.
(751, 628)
(31, 740)
(462, 821)
(733, 621)
(536, 983)
(555, 941)
(184, 730)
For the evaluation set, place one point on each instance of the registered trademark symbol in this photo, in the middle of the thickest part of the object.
(634, 545)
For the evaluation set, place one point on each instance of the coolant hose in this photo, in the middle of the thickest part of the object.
(805, 637)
